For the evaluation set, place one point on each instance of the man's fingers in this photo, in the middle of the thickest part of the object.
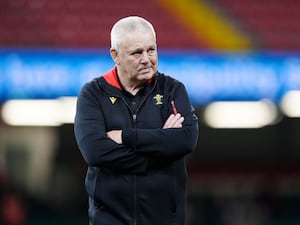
(174, 121)
(115, 135)
(178, 123)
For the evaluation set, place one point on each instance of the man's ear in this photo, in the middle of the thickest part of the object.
(114, 55)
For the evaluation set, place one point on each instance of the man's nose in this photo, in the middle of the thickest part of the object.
(145, 57)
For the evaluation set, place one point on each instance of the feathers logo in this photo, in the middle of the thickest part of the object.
(113, 99)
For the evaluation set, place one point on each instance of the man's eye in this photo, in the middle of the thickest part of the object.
(136, 53)
(151, 50)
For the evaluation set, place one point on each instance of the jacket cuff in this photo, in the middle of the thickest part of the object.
(129, 137)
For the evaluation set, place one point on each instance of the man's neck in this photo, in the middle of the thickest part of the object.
(131, 87)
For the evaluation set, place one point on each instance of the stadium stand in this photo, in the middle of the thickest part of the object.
(275, 23)
(83, 23)
(209, 24)
(272, 24)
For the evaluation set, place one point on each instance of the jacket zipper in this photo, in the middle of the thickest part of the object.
(135, 202)
(134, 117)
(134, 181)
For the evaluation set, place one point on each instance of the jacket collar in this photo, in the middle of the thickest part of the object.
(111, 78)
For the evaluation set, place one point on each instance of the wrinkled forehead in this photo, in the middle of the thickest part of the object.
(138, 40)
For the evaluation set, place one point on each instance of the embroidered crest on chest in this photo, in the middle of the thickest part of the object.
(158, 99)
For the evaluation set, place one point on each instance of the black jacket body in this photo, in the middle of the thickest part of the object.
(142, 181)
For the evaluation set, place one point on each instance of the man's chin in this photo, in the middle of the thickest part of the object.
(147, 75)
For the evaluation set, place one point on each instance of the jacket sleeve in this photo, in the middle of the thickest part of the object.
(95, 146)
(169, 143)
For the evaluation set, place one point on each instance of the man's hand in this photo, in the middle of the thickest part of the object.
(174, 121)
(115, 135)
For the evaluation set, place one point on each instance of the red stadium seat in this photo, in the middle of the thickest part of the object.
(76, 23)
(275, 23)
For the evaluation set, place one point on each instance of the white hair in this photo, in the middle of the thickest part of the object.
(128, 25)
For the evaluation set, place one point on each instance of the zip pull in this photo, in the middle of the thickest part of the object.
(134, 118)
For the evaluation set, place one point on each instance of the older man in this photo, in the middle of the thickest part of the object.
(134, 126)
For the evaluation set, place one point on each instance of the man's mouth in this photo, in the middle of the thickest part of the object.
(145, 69)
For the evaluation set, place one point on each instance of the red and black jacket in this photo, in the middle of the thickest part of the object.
(143, 180)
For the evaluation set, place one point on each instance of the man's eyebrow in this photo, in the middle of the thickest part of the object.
(140, 49)
(136, 50)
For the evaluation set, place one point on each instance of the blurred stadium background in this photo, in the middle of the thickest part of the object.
(240, 62)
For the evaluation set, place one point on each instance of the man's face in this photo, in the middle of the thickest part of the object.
(137, 57)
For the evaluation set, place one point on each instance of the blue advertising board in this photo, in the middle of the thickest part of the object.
(52, 73)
